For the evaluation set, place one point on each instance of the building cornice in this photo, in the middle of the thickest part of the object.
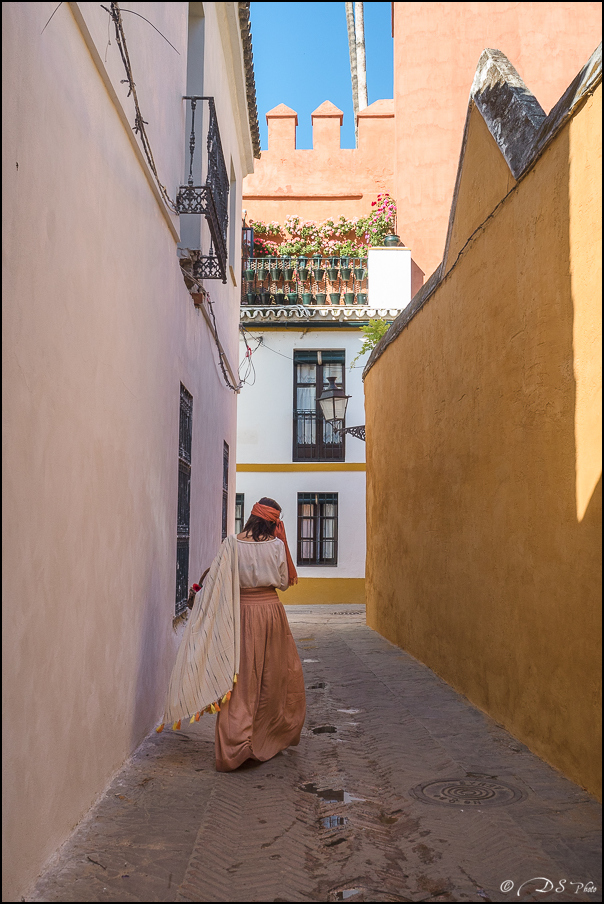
(250, 81)
(313, 316)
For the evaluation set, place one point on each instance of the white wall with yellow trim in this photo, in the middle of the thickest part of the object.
(264, 414)
(264, 443)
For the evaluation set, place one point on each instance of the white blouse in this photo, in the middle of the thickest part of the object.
(262, 564)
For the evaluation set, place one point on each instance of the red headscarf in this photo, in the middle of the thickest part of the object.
(268, 513)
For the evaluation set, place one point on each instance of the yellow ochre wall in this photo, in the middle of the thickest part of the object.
(330, 591)
(484, 491)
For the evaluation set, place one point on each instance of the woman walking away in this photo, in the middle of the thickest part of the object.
(267, 707)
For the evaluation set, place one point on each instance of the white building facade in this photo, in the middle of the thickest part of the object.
(119, 420)
(286, 451)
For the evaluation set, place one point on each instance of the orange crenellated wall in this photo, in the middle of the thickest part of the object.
(327, 181)
(436, 48)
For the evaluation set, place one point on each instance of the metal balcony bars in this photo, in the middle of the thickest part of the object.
(211, 199)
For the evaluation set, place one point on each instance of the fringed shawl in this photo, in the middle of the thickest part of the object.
(208, 658)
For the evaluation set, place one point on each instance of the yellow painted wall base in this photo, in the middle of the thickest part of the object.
(310, 591)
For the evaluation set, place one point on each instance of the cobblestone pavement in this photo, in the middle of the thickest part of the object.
(341, 816)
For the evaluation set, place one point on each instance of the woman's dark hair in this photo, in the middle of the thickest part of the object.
(258, 527)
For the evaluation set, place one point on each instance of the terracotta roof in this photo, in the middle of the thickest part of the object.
(250, 82)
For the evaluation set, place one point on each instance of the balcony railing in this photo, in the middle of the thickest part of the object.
(315, 439)
(211, 198)
(320, 281)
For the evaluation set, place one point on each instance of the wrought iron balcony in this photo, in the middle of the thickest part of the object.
(310, 281)
(315, 439)
(210, 199)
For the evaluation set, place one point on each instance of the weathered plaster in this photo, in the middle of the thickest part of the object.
(484, 483)
(436, 48)
(98, 332)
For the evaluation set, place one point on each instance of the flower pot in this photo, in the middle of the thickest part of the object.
(303, 273)
(333, 273)
(249, 275)
(391, 241)
(362, 298)
(321, 297)
(349, 298)
(345, 273)
(249, 298)
(288, 273)
(262, 274)
(317, 261)
(265, 297)
(359, 273)
(334, 297)
(319, 275)
(343, 262)
(292, 297)
(302, 261)
(280, 298)
(275, 274)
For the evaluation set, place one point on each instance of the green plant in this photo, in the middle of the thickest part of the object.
(380, 223)
(332, 238)
(373, 332)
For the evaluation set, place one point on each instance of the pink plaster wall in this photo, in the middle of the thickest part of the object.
(436, 49)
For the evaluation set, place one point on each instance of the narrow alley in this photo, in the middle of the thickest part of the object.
(400, 790)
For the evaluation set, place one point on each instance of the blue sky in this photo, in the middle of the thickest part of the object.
(301, 59)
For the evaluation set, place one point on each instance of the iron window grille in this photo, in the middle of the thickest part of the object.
(317, 529)
(313, 438)
(210, 199)
(183, 519)
(225, 488)
(239, 516)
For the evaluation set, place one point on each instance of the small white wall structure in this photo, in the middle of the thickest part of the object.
(99, 333)
(389, 277)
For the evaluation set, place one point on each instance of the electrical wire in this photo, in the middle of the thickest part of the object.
(248, 358)
(139, 122)
(216, 339)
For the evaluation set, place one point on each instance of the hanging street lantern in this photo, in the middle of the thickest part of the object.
(333, 404)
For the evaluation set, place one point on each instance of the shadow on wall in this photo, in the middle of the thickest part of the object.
(479, 564)
(151, 684)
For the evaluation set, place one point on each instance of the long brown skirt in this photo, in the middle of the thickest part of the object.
(267, 708)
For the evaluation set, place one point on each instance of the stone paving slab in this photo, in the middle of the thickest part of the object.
(337, 817)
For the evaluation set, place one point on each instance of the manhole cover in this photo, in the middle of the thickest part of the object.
(467, 792)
